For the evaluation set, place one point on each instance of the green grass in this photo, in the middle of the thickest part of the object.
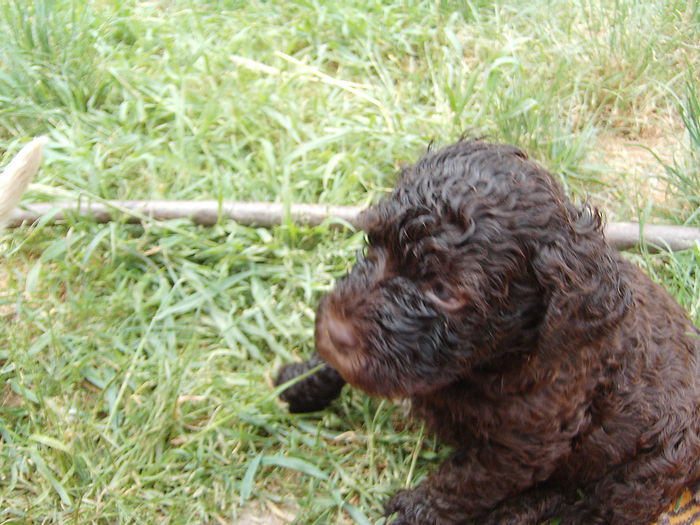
(135, 362)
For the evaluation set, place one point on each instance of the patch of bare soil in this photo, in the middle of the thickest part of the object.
(636, 176)
(5, 309)
(8, 398)
(641, 158)
(267, 514)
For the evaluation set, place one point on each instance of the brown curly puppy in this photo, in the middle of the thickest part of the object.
(566, 380)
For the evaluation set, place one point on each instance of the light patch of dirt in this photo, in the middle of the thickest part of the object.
(8, 398)
(635, 173)
(267, 514)
(641, 159)
(5, 309)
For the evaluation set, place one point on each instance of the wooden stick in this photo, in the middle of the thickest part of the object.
(621, 235)
(625, 235)
(201, 212)
(15, 178)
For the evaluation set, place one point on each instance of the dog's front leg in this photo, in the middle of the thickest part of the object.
(419, 505)
(532, 506)
(472, 483)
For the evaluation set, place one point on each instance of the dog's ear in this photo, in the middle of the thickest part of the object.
(580, 277)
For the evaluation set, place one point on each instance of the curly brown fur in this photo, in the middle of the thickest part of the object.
(567, 382)
(311, 393)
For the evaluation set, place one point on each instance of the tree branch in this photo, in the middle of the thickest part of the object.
(621, 235)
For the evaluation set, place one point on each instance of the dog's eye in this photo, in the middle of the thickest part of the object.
(443, 297)
(441, 291)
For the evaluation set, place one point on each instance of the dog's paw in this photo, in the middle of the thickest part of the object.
(299, 396)
(312, 393)
(412, 507)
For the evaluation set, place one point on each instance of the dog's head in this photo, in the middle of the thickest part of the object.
(476, 258)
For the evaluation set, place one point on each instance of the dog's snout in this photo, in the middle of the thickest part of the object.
(341, 335)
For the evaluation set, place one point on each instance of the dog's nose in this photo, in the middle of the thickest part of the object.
(341, 335)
